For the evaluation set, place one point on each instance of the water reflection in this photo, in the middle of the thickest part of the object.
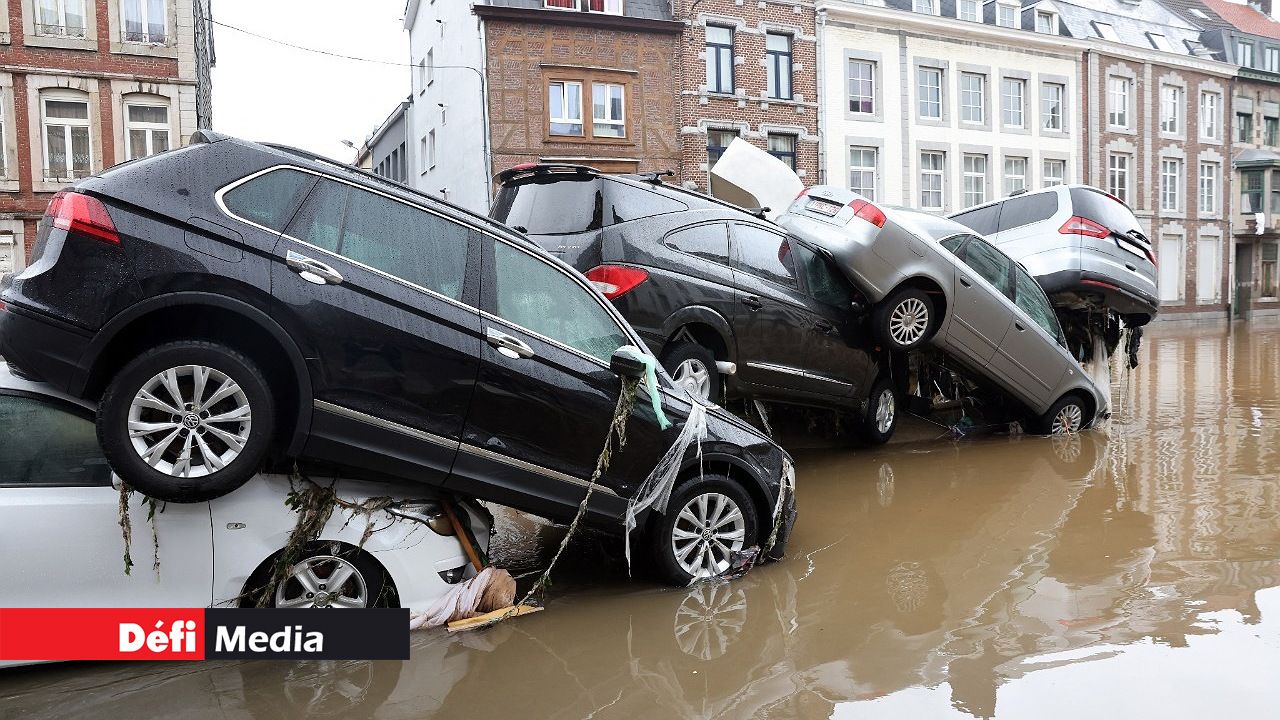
(1130, 571)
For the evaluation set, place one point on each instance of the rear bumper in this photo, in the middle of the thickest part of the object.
(41, 348)
(1119, 296)
(779, 549)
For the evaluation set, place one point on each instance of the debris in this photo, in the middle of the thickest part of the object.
(740, 563)
(491, 618)
(492, 591)
(126, 527)
(655, 491)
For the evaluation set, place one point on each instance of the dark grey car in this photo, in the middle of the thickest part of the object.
(932, 280)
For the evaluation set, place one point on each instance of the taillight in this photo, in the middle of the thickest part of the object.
(616, 280)
(868, 211)
(74, 212)
(1084, 226)
(802, 193)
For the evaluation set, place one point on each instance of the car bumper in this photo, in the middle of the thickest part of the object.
(43, 349)
(1119, 296)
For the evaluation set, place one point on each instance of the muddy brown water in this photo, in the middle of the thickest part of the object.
(1131, 571)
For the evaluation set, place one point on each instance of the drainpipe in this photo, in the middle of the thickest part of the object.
(484, 113)
(819, 94)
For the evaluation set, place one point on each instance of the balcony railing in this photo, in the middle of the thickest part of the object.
(67, 31)
(145, 37)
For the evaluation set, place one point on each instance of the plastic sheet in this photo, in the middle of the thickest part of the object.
(655, 491)
(491, 590)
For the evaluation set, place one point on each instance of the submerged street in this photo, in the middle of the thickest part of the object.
(1132, 570)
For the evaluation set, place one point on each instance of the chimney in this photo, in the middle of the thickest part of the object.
(1265, 7)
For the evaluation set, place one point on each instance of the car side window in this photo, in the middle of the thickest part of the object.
(1026, 209)
(953, 243)
(269, 199)
(825, 284)
(47, 445)
(765, 254)
(709, 242)
(989, 263)
(385, 234)
(540, 297)
(983, 220)
(1031, 298)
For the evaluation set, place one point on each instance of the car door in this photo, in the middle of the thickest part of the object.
(836, 353)
(376, 290)
(546, 396)
(60, 513)
(1030, 355)
(981, 312)
(771, 320)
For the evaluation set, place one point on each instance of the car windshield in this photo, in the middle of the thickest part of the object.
(1098, 207)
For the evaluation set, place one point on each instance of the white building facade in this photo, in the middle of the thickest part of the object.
(940, 113)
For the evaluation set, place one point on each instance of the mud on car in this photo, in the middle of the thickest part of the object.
(230, 303)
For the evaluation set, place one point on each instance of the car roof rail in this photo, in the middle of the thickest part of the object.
(1019, 191)
(656, 176)
(535, 169)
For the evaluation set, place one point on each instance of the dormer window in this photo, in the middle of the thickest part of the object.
(1046, 22)
(1159, 42)
(1105, 31)
(1244, 53)
(1006, 15)
(608, 7)
(968, 10)
(1199, 13)
(928, 7)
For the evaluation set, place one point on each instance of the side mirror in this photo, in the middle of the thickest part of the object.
(625, 363)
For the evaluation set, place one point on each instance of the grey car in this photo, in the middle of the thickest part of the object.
(928, 279)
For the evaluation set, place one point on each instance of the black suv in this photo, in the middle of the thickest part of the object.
(729, 302)
(231, 301)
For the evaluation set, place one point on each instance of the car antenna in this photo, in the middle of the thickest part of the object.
(656, 176)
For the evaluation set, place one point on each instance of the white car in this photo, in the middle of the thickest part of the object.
(59, 527)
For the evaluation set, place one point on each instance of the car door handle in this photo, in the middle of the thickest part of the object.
(752, 302)
(509, 345)
(1019, 326)
(965, 282)
(312, 270)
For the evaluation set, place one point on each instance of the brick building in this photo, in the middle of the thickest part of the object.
(86, 84)
(749, 70)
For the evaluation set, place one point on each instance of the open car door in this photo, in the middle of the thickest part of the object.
(749, 177)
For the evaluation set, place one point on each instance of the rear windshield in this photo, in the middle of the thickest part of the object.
(982, 220)
(562, 206)
(1096, 206)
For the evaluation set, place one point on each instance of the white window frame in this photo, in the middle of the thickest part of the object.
(921, 99)
(930, 176)
(862, 169)
(1007, 15)
(926, 7)
(1271, 58)
(1159, 41)
(972, 195)
(980, 92)
(1119, 175)
(1170, 184)
(146, 23)
(1046, 176)
(1171, 109)
(620, 122)
(1051, 18)
(1010, 177)
(1048, 119)
(1244, 53)
(1209, 179)
(1119, 101)
(86, 7)
(1105, 31)
(1210, 115)
(974, 5)
(611, 7)
(66, 124)
(149, 128)
(1013, 110)
(869, 82)
(564, 103)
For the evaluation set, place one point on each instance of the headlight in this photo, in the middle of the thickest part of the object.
(425, 512)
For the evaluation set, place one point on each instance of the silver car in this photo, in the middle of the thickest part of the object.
(932, 280)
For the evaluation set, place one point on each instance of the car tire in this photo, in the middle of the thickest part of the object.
(364, 584)
(881, 418)
(183, 370)
(897, 319)
(693, 367)
(680, 554)
(1068, 415)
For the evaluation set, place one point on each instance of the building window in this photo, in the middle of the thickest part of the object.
(1244, 53)
(968, 10)
(3, 161)
(928, 7)
(431, 149)
(932, 175)
(1007, 15)
(971, 98)
(1208, 279)
(147, 128)
(1013, 91)
(717, 142)
(1118, 175)
(1275, 191)
(1271, 131)
(1051, 95)
(1210, 115)
(1271, 59)
(863, 171)
(719, 59)
(930, 92)
(1015, 175)
(565, 104)
(144, 21)
(1118, 101)
(1170, 282)
(67, 149)
(1159, 42)
(975, 180)
(778, 65)
(1105, 31)
(611, 7)
(1053, 172)
(1209, 173)
(783, 147)
(1251, 192)
(1244, 127)
(862, 86)
(429, 72)
(608, 108)
(1269, 256)
(1046, 22)
(1170, 109)
(60, 18)
(1170, 184)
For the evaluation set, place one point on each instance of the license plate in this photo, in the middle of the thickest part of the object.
(824, 207)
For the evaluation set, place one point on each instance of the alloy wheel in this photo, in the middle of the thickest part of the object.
(885, 410)
(1068, 420)
(708, 530)
(189, 421)
(323, 581)
(695, 377)
(709, 619)
(908, 321)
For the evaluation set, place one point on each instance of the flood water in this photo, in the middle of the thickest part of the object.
(1131, 571)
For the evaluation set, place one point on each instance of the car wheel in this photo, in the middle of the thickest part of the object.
(881, 418)
(1066, 416)
(187, 421)
(693, 367)
(904, 320)
(331, 577)
(708, 518)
